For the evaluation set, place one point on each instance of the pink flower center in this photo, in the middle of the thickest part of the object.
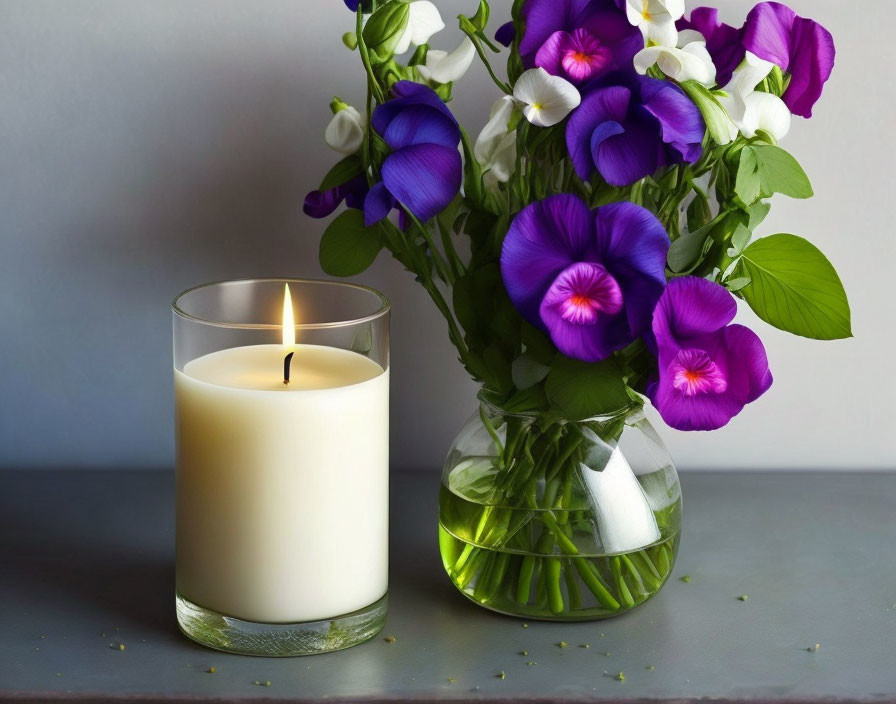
(693, 372)
(582, 55)
(583, 291)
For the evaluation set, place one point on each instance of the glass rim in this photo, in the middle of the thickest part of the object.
(628, 411)
(384, 304)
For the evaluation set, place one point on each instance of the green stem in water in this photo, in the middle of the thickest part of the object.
(588, 572)
(483, 416)
(572, 586)
(621, 586)
(552, 567)
(524, 581)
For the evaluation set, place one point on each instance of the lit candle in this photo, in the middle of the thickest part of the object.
(282, 480)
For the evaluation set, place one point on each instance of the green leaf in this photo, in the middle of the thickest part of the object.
(699, 212)
(687, 251)
(384, 29)
(343, 172)
(765, 169)
(714, 115)
(537, 345)
(347, 247)
(527, 371)
(757, 213)
(582, 390)
(736, 284)
(740, 238)
(747, 185)
(795, 288)
(480, 19)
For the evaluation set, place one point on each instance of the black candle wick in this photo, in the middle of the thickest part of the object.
(287, 363)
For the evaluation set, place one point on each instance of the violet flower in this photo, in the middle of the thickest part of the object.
(320, 204)
(802, 48)
(628, 126)
(590, 279)
(506, 34)
(424, 171)
(578, 40)
(723, 42)
(708, 370)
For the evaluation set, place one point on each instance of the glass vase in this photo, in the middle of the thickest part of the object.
(544, 518)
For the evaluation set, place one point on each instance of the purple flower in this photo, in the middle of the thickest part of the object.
(424, 171)
(801, 47)
(578, 40)
(708, 370)
(723, 42)
(319, 204)
(629, 126)
(591, 279)
(506, 34)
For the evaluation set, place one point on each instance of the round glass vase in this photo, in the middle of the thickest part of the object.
(282, 465)
(544, 518)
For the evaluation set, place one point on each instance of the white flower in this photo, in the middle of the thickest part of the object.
(690, 61)
(546, 99)
(443, 67)
(751, 110)
(424, 20)
(495, 147)
(656, 19)
(765, 112)
(345, 133)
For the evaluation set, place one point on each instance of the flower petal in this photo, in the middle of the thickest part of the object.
(767, 32)
(424, 177)
(506, 34)
(421, 124)
(691, 63)
(319, 204)
(629, 156)
(424, 20)
(680, 121)
(633, 244)
(751, 72)
(722, 41)
(407, 94)
(691, 307)
(544, 17)
(603, 105)
(707, 411)
(345, 131)
(766, 112)
(495, 129)
(377, 204)
(747, 364)
(443, 67)
(661, 30)
(544, 238)
(811, 66)
(547, 99)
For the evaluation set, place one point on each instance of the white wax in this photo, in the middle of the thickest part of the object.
(282, 491)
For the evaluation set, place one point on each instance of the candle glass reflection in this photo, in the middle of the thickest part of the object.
(281, 419)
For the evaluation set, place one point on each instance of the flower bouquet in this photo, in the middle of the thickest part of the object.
(588, 250)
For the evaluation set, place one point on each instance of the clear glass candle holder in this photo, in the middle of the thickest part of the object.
(281, 417)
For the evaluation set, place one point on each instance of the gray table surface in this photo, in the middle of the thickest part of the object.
(86, 563)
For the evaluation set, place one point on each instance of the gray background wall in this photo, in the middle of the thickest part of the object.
(149, 146)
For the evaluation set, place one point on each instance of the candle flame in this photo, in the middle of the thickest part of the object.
(289, 323)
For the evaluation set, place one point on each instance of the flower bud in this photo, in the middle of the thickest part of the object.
(384, 28)
(338, 104)
(350, 39)
(345, 133)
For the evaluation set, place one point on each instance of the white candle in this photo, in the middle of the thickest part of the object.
(282, 490)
